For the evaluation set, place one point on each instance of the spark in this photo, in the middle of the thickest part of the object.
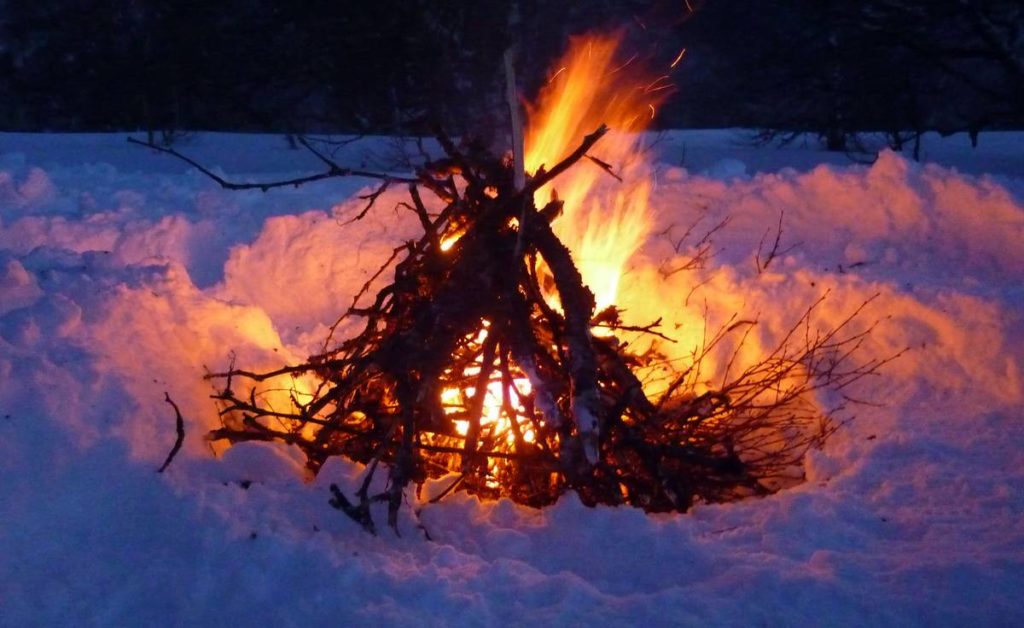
(631, 60)
(679, 57)
(555, 75)
(654, 85)
(652, 111)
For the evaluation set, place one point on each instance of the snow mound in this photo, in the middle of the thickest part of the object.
(120, 284)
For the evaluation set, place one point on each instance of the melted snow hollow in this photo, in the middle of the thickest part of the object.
(124, 275)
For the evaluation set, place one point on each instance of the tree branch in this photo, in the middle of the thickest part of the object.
(333, 171)
(543, 178)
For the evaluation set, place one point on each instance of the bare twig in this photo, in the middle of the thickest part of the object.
(179, 426)
(774, 252)
(604, 165)
(333, 171)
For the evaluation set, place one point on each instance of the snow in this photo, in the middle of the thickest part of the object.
(123, 274)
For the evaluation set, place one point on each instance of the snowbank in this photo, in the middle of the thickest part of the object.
(123, 276)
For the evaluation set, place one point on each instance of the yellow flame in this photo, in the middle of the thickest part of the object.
(286, 393)
(604, 221)
(493, 419)
(605, 217)
(448, 241)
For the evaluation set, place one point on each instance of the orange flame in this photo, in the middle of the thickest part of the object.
(605, 221)
(605, 218)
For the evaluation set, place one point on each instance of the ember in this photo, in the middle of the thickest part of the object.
(496, 355)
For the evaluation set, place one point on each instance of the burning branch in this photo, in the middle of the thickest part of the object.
(542, 177)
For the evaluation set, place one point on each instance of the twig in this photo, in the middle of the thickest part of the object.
(333, 171)
(360, 514)
(179, 426)
(641, 329)
(774, 252)
(543, 178)
(604, 165)
(702, 248)
(371, 198)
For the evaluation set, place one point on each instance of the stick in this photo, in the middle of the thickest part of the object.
(516, 117)
(544, 178)
(332, 171)
(179, 424)
(578, 303)
(604, 165)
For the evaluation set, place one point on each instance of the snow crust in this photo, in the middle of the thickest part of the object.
(124, 275)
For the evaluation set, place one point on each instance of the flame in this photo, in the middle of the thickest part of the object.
(604, 221)
(605, 216)
(501, 406)
(288, 393)
(449, 240)
(493, 419)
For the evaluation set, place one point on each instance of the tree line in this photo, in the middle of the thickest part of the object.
(830, 67)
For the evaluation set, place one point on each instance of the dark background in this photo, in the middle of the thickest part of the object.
(828, 67)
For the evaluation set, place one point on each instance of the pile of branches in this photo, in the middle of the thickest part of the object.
(482, 361)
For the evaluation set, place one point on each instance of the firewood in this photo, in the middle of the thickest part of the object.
(463, 367)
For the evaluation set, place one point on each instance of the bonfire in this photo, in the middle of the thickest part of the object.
(496, 358)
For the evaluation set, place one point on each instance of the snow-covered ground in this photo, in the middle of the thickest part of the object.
(124, 273)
